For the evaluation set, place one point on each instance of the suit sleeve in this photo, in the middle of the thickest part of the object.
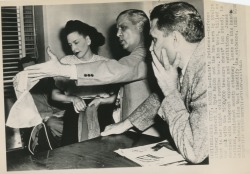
(111, 71)
(144, 115)
(188, 127)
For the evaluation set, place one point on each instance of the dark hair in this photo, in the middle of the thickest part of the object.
(24, 60)
(179, 16)
(136, 16)
(97, 39)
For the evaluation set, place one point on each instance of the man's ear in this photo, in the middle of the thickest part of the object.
(177, 37)
(139, 25)
(88, 40)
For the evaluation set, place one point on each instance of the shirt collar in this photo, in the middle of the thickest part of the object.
(183, 70)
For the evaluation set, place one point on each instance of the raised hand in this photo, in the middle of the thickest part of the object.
(51, 68)
(166, 74)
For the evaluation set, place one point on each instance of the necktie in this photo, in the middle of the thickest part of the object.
(179, 80)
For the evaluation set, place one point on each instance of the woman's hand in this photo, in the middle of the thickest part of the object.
(96, 102)
(104, 98)
(78, 103)
(103, 95)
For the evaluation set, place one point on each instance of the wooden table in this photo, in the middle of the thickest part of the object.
(95, 153)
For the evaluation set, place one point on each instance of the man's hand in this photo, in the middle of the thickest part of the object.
(166, 74)
(117, 128)
(51, 68)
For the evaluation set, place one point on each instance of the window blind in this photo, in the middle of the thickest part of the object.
(29, 31)
(18, 40)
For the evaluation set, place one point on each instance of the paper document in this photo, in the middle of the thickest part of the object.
(147, 156)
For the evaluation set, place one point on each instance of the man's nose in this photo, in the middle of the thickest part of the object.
(151, 48)
(119, 33)
(73, 47)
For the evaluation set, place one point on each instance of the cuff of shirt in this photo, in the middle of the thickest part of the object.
(73, 72)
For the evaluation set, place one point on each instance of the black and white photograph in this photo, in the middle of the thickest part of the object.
(105, 85)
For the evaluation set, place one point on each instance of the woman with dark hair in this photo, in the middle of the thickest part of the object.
(84, 41)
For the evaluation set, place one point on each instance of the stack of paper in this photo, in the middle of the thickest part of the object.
(147, 156)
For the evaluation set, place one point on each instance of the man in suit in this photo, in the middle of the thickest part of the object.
(131, 71)
(179, 64)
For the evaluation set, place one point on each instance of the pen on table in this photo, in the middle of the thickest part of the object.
(160, 145)
(176, 162)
